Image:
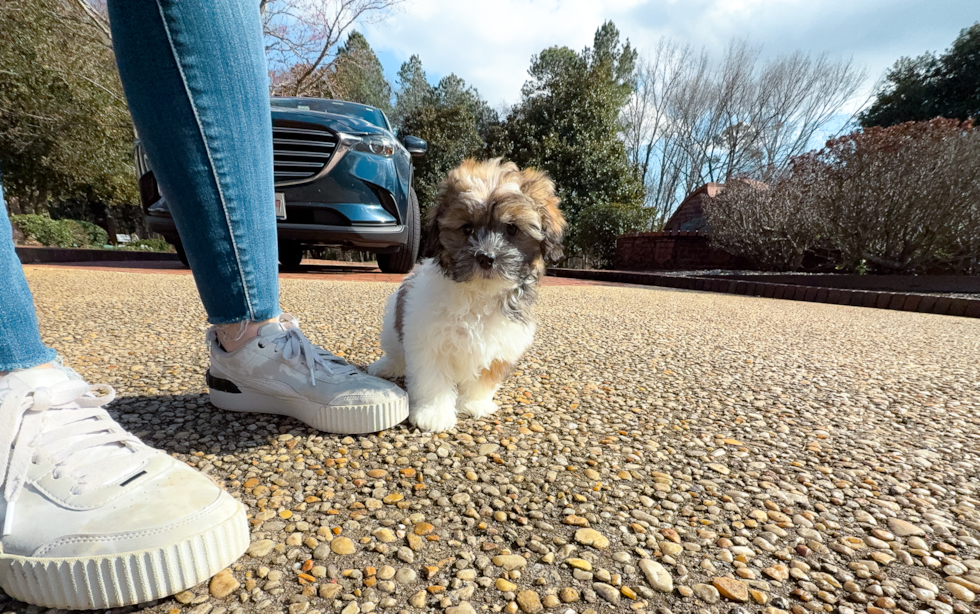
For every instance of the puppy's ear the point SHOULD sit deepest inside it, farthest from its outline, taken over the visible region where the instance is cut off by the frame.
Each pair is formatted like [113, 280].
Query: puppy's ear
[539, 187]
[451, 186]
[430, 233]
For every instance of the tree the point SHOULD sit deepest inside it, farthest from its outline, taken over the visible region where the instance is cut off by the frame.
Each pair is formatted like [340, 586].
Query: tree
[65, 132]
[358, 75]
[929, 86]
[693, 120]
[303, 39]
[448, 117]
[413, 87]
[567, 124]
[600, 225]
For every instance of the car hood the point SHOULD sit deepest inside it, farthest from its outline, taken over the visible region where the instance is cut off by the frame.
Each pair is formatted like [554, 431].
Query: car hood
[338, 123]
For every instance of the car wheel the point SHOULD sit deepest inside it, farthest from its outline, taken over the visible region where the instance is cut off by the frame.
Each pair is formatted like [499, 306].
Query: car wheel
[290, 254]
[181, 253]
[403, 260]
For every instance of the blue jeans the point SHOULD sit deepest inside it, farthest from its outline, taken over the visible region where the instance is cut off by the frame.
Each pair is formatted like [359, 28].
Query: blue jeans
[195, 78]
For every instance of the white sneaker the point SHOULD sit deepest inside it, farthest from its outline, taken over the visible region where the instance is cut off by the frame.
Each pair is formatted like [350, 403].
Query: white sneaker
[282, 372]
[92, 517]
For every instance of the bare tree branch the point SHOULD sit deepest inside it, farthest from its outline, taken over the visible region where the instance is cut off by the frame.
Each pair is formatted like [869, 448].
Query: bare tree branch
[302, 37]
[694, 121]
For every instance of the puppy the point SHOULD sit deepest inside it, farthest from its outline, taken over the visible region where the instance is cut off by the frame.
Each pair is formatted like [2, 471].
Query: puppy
[457, 326]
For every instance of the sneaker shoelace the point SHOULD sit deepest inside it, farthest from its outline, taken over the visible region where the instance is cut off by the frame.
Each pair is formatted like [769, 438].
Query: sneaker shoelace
[294, 345]
[67, 436]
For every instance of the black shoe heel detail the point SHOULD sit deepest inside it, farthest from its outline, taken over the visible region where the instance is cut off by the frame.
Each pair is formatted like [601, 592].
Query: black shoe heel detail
[221, 385]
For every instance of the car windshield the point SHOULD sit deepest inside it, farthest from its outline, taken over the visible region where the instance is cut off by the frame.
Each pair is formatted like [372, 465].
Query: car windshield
[350, 109]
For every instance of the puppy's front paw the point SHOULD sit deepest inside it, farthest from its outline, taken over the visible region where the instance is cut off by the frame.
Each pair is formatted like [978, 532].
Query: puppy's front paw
[386, 367]
[434, 418]
[478, 409]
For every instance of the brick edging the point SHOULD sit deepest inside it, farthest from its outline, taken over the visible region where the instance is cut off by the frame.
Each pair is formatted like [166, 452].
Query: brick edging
[44, 255]
[899, 301]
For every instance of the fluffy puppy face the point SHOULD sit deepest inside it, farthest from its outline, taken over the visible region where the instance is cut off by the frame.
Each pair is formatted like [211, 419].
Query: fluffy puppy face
[493, 221]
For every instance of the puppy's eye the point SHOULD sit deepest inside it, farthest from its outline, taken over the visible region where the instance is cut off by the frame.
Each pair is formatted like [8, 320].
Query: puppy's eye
[467, 229]
[512, 229]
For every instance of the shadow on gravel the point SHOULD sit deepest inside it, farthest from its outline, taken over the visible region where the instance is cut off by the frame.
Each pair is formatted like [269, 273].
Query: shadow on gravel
[188, 423]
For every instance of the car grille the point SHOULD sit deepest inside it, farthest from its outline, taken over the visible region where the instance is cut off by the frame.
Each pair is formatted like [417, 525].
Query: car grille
[301, 150]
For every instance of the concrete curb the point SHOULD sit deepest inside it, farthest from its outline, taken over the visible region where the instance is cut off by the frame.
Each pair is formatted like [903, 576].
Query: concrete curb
[44, 255]
[899, 301]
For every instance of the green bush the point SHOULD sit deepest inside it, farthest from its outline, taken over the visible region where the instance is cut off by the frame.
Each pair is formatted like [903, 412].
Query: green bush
[148, 245]
[59, 233]
[44, 230]
[594, 232]
[95, 236]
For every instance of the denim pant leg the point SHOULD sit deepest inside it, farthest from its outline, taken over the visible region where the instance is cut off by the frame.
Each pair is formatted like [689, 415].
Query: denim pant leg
[20, 340]
[195, 77]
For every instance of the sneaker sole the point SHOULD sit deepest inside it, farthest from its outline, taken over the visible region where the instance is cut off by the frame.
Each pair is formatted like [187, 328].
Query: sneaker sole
[129, 578]
[346, 420]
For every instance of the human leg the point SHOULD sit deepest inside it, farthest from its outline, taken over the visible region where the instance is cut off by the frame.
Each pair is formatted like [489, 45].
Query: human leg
[210, 147]
[20, 341]
[195, 78]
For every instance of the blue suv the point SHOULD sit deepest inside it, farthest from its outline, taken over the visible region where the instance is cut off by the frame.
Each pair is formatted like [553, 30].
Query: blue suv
[342, 180]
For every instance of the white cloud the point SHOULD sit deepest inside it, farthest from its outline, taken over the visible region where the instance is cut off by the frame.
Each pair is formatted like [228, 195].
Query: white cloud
[490, 44]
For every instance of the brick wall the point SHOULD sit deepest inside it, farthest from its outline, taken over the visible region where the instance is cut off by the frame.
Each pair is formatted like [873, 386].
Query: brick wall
[672, 251]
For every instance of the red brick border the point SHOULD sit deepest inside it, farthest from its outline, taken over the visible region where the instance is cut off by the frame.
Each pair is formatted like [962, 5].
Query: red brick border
[898, 301]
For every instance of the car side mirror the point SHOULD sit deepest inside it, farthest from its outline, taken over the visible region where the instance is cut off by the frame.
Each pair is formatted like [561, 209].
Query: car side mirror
[415, 145]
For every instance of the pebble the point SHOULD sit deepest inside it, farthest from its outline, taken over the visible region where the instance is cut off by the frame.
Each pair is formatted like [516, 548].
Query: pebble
[529, 602]
[505, 586]
[731, 589]
[418, 599]
[607, 592]
[260, 548]
[463, 608]
[903, 528]
[591, 537]
[706, 593]
[405, 575]
[223, 584]
[658, 577]
[342, 545]
[510, 561]
[384, 535]
[960, 592]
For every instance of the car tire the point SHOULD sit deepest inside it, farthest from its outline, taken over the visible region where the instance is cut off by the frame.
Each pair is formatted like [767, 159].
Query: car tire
[181, 254]
[290, 255]
[403, 260]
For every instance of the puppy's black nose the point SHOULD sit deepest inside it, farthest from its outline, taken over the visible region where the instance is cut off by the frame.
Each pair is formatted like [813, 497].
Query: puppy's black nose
[485, 261]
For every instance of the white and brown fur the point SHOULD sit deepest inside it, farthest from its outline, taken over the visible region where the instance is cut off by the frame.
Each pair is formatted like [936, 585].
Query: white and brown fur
[457, 326]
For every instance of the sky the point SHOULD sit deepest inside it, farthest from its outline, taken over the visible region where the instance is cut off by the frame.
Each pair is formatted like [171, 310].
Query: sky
[490, 43]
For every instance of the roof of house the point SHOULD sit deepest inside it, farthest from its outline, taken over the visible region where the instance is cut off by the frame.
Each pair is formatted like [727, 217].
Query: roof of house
[689, 215]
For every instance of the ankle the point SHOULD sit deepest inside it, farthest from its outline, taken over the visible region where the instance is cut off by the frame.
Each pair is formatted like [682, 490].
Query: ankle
[47, 365]
[233, 336]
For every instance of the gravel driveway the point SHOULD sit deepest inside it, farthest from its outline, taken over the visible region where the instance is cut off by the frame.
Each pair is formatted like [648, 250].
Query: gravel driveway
[657, 450]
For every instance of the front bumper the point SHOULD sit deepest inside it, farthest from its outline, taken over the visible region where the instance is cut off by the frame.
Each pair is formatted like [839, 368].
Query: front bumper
[374, 237]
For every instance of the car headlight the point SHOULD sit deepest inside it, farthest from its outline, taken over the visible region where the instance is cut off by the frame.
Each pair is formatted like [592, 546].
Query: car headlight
[377, 144]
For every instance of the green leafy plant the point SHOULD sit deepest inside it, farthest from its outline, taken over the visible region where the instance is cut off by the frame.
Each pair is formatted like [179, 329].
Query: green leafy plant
[148, 245]
[47, 232]
[598, 226]
[59, 233]
[92, 235]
